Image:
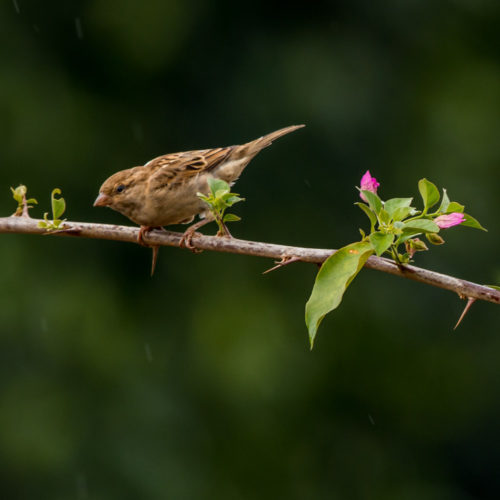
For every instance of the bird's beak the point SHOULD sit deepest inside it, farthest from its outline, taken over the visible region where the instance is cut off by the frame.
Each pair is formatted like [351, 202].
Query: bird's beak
[102, 200]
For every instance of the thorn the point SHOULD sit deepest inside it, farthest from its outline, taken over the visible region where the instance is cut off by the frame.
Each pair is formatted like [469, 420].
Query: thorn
[283, 262]
[155, 249]
[470, 301]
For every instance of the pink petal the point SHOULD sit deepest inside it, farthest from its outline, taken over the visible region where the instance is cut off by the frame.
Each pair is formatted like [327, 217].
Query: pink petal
[368, 183]
[449, 220]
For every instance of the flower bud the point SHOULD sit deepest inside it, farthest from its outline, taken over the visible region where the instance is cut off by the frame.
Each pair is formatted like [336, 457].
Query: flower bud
[415, 245]
[449, 220]
[368, 183]
[434, 238]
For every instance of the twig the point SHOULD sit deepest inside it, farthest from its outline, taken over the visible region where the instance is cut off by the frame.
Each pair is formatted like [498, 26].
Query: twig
[287, 259]
[255, 248]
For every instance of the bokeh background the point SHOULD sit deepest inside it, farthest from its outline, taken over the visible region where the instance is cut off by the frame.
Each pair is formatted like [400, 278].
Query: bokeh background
[198, 383]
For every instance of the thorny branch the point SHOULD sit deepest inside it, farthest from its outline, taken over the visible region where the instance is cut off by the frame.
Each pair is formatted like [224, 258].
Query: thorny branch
[282, 253]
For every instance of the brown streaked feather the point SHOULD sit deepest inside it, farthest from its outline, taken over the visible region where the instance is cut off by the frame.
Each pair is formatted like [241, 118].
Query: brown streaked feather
[177, 168]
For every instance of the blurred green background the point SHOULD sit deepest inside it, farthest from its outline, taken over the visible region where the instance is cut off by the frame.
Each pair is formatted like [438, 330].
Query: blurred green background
[198, 383]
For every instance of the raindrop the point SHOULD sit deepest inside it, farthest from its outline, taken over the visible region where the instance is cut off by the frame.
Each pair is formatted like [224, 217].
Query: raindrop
[307, 183]
[149, 356]
[16, 6]
[36, 28]
[370, 418]
[78, 27]
[43, 324]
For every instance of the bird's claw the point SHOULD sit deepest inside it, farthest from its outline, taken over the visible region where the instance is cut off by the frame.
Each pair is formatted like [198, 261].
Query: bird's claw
[187, 241]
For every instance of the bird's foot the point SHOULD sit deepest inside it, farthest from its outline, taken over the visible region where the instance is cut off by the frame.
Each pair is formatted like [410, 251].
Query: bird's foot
[187, 237]
[187, 240]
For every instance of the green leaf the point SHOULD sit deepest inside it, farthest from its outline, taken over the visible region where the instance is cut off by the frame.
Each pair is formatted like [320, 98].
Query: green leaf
[381, 242]
[332, 280]
[429, 193]
[203, 197]
[401, 213]
[58, 204]
[455, 207]
[216, 185]
[368, 212]
[374, 201]
[384, 217]
[32, 200]
[396, 204]
[408, 234]
[19, 192]
[471, 222]
[445, 202]
[423, 225]
[233, 199]
[231, 218]
[495, 287]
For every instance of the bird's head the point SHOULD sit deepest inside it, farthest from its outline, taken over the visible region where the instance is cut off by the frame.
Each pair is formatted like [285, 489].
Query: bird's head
[123, 191]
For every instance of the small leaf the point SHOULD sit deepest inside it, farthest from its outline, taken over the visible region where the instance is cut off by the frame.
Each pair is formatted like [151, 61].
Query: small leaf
[471, 222]
[495, 287]
[335, 275]
[423, 225]
[401, 213]
[233, 199]
[384, 217]
[396, 204]
[231, 218]
[429, 193]
[381, 242]
[445, 202]
[368, 212]
[455, 207]
[58, 204]
[374, 201]
[32, 200]
[203, 197]
[217, 185]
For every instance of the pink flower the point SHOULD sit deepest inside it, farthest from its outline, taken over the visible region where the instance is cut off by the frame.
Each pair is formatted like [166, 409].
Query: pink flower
[449, 220]
[368, 183]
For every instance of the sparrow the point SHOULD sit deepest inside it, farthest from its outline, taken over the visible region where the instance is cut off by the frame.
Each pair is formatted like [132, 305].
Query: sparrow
[164, 190]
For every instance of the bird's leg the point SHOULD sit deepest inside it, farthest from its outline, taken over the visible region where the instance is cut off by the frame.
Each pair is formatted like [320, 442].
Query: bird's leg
[140, 239]
[187, 237]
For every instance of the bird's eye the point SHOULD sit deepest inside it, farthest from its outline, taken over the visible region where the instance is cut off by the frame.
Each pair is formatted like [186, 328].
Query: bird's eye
[120, 188]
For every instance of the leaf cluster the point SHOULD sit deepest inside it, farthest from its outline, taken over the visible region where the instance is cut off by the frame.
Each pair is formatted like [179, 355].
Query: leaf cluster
[394, 223]
[23, 204]
[58, 208]
[219, 199]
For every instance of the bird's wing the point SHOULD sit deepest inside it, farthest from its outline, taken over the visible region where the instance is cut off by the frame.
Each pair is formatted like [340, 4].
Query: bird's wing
[177, 168]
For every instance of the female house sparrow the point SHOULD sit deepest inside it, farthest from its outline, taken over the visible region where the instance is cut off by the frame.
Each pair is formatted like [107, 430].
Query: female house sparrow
[163, 191]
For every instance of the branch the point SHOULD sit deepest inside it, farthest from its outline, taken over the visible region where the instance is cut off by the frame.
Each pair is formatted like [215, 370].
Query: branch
[282, 253]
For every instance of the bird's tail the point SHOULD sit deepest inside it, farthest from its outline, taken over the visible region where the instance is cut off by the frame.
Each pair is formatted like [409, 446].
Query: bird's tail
[239, 157]
[253, 147]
